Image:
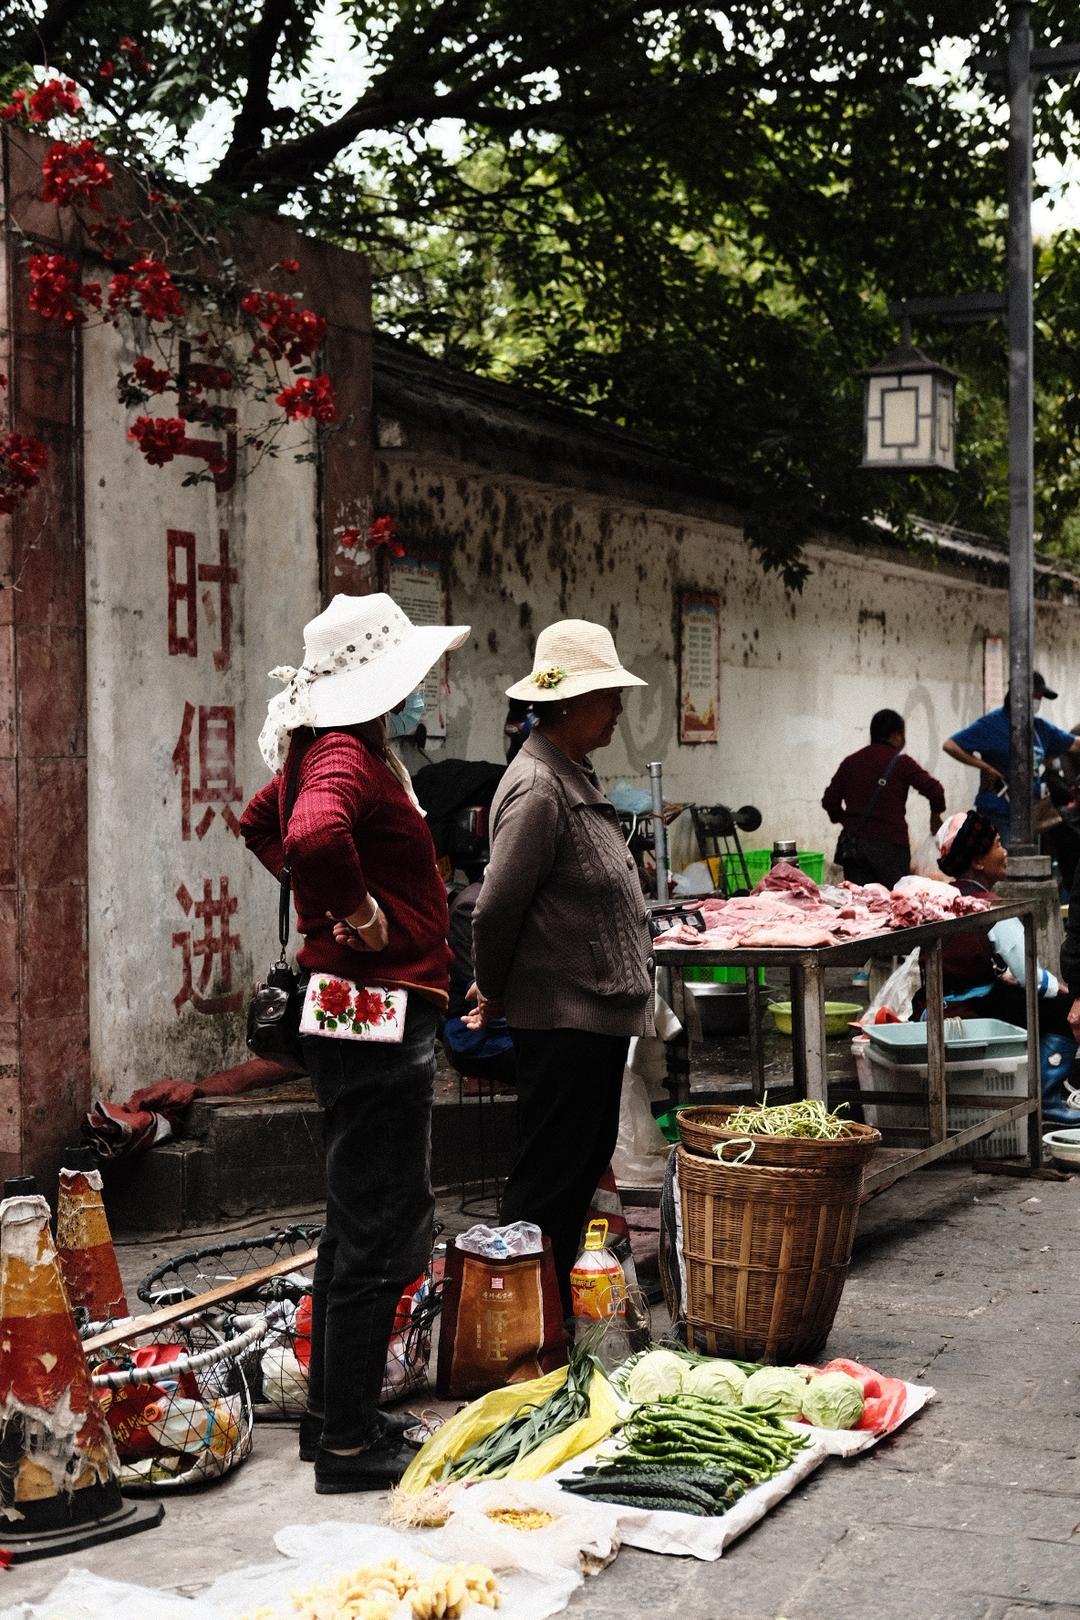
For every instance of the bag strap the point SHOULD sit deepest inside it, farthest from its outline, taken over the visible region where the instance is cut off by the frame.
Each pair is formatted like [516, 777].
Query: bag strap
[876, 795]
[292, 789]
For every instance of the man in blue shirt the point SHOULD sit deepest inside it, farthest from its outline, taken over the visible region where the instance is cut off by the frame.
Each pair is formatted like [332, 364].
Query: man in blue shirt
[985, 746]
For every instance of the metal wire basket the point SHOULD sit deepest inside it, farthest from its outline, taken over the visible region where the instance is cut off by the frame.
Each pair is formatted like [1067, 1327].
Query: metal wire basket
[278, 1374]
[179, 1400]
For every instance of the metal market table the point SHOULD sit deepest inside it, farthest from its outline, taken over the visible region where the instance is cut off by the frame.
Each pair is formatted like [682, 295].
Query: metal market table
[806, 968]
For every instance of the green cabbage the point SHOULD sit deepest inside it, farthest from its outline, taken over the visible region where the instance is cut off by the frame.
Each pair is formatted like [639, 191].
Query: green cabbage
[775, 1389]
[660, 1372]
[716, 1381]
[833, 1400]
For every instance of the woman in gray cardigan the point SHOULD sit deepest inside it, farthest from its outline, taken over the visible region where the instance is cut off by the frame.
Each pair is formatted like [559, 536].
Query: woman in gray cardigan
[562, 949]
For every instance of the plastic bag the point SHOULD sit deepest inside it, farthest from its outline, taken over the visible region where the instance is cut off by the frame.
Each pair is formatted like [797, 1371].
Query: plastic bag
[924, 860]
[641, 1151]
[582, 1535]
[477, 1420]
[896, 995]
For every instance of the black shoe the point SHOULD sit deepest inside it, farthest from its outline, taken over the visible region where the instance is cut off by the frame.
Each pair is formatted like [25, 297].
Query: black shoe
[393, 1425]
[376, 1469]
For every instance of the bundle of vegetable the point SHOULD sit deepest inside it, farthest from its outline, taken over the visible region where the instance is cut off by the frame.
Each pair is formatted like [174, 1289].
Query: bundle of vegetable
[493, 1456]
[704, 1491]
[809, 1118]
[687, 1431]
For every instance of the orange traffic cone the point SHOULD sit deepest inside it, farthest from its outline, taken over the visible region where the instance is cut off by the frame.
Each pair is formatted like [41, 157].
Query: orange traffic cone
[58, 1468]
[83, 1240]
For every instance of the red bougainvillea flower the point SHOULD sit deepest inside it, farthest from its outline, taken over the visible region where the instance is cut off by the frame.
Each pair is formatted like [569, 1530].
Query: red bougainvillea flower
[106, 70]
[112, 234]
[199, 376]
[135, 54]
[160, 438]
[335, 997]
[148, 289]
[21, 461]
[15, 108]
[383, 532]
[290, 333]
[74, 171]
[291, 267]
[311, 396]
[56, 293]
[53, 97]
[350, 538]
[149, 376]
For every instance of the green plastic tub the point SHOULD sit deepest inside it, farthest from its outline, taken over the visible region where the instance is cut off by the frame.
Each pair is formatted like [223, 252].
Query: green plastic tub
[719, 975]
[669, 1124]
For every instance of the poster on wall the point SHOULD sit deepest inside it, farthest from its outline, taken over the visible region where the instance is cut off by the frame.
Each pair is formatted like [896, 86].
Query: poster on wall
[699, 667]
[418, 586]
[993, 672]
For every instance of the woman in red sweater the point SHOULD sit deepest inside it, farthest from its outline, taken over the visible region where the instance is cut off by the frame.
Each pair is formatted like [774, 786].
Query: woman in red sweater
[341, 814]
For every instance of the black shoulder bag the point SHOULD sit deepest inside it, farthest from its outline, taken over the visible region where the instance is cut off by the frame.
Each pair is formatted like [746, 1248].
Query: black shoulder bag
[273, 1018]
[847, 845]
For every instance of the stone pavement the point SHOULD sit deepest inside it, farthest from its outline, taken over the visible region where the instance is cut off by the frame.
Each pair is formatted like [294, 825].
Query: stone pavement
[972, 1513]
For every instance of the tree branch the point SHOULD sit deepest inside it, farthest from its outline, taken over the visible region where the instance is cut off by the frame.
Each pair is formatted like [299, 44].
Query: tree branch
[256, 110]
[282, 167]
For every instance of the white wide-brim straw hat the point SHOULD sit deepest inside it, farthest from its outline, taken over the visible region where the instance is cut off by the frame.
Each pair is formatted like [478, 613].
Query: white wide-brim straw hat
[572, 657]
[362, 657]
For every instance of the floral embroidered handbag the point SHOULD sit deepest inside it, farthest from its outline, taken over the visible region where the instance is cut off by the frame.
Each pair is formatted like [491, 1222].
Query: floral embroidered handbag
[353, 1012]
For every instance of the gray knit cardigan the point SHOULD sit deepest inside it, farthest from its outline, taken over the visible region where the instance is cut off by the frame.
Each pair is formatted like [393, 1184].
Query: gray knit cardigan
[559, 932]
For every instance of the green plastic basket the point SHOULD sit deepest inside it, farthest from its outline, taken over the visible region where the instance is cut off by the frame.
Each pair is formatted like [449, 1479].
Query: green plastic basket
[758, 861]
[719, 975]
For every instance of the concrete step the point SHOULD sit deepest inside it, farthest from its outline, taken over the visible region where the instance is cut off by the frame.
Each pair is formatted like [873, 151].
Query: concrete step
[261, 1152]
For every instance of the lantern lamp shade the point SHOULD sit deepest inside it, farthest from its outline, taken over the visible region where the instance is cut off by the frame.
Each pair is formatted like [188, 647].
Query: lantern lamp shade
[910, 413]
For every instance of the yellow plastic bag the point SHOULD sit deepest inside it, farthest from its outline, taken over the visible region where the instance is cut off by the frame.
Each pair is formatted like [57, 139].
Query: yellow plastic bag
[480, 1418]
[586, 1432]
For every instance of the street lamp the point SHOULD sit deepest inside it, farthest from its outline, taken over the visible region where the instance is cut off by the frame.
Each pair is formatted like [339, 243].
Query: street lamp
[1021, 69]
[910, 412]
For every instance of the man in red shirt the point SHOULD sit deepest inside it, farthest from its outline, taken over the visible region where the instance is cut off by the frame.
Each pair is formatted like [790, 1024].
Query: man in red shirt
[867, 797]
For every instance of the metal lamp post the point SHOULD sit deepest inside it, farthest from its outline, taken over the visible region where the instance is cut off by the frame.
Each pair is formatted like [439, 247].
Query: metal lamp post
[1021, 69]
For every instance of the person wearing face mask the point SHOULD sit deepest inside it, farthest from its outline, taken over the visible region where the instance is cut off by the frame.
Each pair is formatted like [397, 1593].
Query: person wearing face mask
[984, 745]
[560, 941]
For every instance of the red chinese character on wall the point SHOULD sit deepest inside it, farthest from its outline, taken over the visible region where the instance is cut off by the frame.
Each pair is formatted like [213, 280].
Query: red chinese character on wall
[196, 382]
[215, 755]
[215, 944]
[185, 574]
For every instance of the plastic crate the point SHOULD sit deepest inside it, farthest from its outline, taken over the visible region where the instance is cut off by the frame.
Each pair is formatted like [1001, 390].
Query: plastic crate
[981, 1038]
[1001, 1076]
[719, 975]
[758, 861]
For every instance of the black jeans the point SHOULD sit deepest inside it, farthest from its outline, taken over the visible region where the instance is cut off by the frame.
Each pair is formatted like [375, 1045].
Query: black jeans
[379, 1213]
[569, 1084]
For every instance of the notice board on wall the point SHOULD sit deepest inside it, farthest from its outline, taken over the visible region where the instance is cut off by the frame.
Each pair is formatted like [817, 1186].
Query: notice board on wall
[418, 586]
[699, 667]
[994, 682]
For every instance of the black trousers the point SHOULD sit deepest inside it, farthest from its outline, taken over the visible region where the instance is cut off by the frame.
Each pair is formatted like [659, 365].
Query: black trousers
[569, 1084]
[379, 1213]
[878, 862]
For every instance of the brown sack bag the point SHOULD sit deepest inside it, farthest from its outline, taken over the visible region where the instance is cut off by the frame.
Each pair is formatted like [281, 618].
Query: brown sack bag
[502, 1322]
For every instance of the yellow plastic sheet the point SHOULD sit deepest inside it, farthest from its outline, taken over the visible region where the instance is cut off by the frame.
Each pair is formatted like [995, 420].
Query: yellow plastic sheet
[480, 1418]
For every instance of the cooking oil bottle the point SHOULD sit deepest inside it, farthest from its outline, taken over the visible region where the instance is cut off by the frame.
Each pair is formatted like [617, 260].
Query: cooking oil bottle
[598, 1294]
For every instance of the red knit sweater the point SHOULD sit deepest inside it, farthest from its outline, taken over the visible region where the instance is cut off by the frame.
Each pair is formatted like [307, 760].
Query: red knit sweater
[353, 824]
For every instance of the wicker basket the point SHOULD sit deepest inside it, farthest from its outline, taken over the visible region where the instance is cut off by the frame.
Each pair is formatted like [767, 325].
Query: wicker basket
[767, 1251]
[704, 1129]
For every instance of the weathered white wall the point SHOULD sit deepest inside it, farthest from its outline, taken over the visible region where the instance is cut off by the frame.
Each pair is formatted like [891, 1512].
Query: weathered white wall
[143, 849]
[801, 674]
